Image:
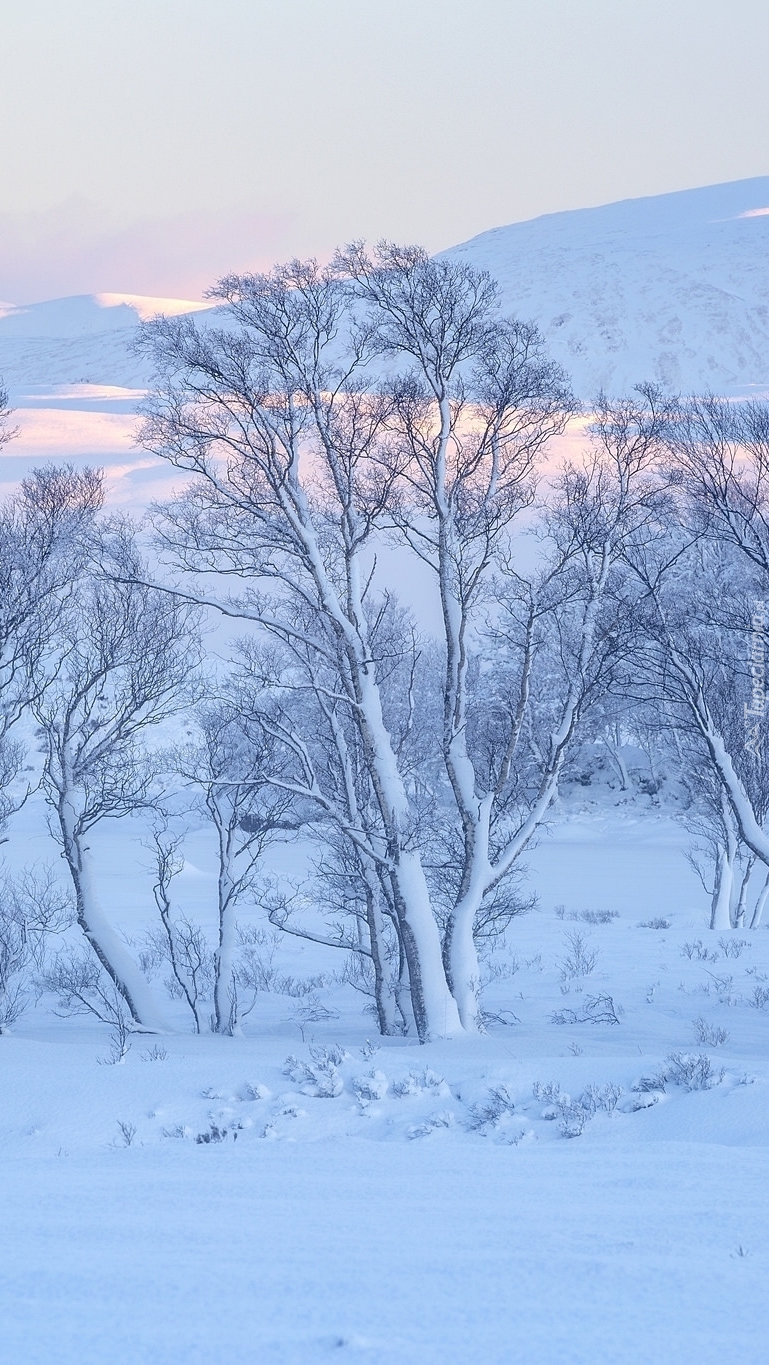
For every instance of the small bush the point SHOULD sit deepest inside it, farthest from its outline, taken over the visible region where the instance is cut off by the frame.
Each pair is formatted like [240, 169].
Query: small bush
[698, 952]
[214, 1134]
[416, 1084]
[587, 916]
[579, 960]
[646, 1085]
[605, 1097]
[655, 924]
[370, 1088]
[548, 1093]
[733, 947]
[320, 1077]
[157, 1053]
[573, 1118]
[707, 1034]
[692, 1071]
[597, 1009]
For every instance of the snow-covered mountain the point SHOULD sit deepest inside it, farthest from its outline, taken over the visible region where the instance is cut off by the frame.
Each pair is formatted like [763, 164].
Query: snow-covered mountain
[80, 340]
[673, 288]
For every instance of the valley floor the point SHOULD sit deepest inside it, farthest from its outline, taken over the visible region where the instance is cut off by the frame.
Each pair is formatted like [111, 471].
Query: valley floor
[566, 1188]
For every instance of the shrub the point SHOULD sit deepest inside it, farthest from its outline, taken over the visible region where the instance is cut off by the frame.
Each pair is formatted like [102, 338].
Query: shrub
[579, 960]
[706, 1033]
[692, 1071]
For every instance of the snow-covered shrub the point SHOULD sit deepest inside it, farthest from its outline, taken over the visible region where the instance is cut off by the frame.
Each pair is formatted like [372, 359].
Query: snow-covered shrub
[572, 1119]
[692, 1071]
[370, 1088]
[416, 1083]
[708, 1034]
[587, 916]
[760, 998]
[658, 923]
[598, 916]
[548, 1092]
[698, 952]
[596, 1009]
[733, 947]
[216, 1134]
[157, 1053]
[496, 969]
[443, 1119]
[597, 1097]
[499, 1104]
[319, 1077]
[649, 1084]
[723, 987]
[579, 959]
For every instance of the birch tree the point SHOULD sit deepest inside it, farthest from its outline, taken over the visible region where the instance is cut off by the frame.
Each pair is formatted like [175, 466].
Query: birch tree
[720, 454]
[124, 654]
[231, 764]
[697, 621]
[44, 530]
[280, 434]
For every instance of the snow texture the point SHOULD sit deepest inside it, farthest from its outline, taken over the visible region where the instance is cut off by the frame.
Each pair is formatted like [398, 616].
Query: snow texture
[672, 289]
[583, 1190]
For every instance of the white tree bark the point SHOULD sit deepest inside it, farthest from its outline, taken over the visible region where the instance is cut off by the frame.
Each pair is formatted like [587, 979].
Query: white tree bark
[106, 943]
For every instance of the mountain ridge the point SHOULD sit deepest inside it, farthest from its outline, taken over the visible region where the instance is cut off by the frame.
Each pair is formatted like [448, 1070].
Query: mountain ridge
[670, 288]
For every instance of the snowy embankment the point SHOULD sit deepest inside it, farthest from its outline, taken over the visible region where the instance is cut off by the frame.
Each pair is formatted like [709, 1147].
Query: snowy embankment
[565, 1188]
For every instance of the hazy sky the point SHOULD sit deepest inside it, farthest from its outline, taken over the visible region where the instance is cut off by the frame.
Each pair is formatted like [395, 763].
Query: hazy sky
[149, 145]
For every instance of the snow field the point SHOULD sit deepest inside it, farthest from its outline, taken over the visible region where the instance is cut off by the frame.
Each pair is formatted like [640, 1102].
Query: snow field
[551, 1191]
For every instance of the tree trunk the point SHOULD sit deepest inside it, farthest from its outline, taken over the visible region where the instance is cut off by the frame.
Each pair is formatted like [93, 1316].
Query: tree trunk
[763, 897]
[720, 910]
[109, 948]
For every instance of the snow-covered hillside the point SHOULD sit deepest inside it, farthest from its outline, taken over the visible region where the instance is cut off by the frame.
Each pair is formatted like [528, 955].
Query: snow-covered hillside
[673, 288]
[81, 340]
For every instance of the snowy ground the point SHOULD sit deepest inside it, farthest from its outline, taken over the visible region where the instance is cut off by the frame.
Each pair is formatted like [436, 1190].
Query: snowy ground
[554, 1191]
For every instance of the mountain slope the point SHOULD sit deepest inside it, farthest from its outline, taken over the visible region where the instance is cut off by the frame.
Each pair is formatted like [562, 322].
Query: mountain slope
[673, 288]
[80, 340]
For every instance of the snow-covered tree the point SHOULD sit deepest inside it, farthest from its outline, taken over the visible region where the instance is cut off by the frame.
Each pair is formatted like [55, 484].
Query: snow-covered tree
[44, 530]
[230, 763]
[272, 416]
[696, 617]
[122, 657]
[720, 459]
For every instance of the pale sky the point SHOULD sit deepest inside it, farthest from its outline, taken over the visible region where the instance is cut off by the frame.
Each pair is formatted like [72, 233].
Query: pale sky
[151, 145]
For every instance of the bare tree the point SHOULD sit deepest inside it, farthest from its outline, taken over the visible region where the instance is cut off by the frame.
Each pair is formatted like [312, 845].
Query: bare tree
[697, 624]
[235, 767]
[7, 432]
[323, 769]
[33, 907]
[124, 654]
[720, 452]
[279, 432]
[44, 530]
[720, 457]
